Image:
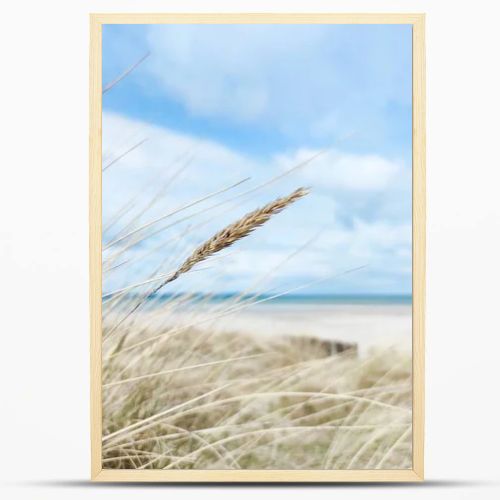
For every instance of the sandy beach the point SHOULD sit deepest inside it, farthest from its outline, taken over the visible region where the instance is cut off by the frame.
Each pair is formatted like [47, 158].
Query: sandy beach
[368, 325]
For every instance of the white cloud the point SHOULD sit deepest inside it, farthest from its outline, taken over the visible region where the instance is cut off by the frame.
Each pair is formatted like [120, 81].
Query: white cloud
[212, 166]
[355, 207]
[345, 171]
[304, 80]
[226, 70]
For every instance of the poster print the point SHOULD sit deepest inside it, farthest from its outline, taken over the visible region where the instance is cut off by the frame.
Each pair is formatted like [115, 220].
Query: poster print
[257, 306]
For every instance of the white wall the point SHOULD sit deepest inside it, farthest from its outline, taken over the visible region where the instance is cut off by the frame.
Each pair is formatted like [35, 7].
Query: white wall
[43, 245]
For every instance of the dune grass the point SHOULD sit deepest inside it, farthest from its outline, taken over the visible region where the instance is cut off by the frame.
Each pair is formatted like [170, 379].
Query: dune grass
[179, 392]
[207, 399]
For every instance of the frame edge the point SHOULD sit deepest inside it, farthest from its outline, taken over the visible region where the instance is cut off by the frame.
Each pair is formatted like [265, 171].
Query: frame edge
[95, 205]
[251, 476]
[419, 244]
[257, 17]
[99, 474]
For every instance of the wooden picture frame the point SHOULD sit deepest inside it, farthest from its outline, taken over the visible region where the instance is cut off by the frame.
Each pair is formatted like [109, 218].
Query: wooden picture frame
[418, 265]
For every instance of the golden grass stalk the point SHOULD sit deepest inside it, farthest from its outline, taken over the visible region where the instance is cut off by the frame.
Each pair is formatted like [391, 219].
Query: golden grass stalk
[236, 231]
[224, 239]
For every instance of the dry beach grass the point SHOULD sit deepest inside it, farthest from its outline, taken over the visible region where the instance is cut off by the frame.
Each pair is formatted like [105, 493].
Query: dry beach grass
[218, 401]
[184, 394]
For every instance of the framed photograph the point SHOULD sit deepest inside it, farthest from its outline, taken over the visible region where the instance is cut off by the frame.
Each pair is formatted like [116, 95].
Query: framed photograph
[257, 247]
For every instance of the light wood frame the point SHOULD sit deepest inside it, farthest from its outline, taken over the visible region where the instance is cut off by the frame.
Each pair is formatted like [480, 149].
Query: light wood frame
[417, 472]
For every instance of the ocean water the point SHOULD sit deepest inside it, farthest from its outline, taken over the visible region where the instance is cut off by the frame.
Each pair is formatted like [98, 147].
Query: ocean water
[308, 299]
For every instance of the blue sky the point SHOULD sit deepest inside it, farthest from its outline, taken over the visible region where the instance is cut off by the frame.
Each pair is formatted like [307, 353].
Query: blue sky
[253, 101]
